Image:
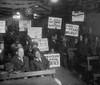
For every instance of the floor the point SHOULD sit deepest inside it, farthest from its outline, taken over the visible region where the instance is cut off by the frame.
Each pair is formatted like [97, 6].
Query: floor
[67, 77]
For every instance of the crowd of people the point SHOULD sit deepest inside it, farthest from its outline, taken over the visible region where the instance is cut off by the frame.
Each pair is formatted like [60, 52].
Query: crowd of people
[18, 52]
[19, 55]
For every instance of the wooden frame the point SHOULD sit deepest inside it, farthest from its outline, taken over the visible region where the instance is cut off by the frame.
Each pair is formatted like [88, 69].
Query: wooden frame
[89, 67]
[90, 59]
[26, 74]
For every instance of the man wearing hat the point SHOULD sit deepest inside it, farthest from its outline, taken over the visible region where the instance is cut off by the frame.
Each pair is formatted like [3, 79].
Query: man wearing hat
[19, 62]
[38, 62]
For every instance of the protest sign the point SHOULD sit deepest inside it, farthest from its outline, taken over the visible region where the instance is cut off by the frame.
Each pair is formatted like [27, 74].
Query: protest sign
[24, 25]
[2, 26]
[78, 16]
[42, 44]
[54, 59]
[72, 30]
[54, 23]
[35, 32]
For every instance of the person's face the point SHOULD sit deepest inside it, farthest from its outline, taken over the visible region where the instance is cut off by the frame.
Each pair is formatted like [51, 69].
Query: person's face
[81, 38]
[52, 51]
[20, 52]
[37, 54]
[86, 40]
[19, 45]
[2, 46]
[96, 39]
[76, 40]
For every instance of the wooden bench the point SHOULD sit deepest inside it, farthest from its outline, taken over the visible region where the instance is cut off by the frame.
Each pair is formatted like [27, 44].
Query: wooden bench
[15, 75]
[29, 78]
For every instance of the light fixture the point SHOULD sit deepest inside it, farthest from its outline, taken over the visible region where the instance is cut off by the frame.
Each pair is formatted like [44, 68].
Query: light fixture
[28, 11]
[36, 16]
[54, 1]
[17, 15]
[36, 5]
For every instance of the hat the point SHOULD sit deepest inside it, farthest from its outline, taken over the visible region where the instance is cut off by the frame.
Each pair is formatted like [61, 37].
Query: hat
[17, 42]
[1, 42]
[35, 50]
[34, 43]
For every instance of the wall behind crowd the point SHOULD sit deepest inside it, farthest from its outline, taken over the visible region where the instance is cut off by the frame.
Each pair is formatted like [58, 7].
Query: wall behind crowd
[93, 22]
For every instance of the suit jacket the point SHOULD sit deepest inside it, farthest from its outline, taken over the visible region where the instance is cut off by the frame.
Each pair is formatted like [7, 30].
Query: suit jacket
[18, 65]
[3, 57]
[36, 65]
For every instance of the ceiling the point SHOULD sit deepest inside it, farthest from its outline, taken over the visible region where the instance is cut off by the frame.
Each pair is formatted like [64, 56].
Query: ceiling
[8, 7]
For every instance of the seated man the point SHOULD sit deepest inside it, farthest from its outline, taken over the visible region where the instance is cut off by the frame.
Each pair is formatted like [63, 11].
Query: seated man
[39, 62]
[19, 61]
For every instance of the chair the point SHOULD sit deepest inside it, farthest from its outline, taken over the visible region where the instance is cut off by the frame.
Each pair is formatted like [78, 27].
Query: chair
[94, 67]
[91, 60]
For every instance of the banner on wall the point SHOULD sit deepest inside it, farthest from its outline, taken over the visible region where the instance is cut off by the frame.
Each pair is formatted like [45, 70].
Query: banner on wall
[42, 44]
[72, 30]
[54, 23]
[35, 32]
[2, 26]
[78, 16]
[24, 25]
[54, 59]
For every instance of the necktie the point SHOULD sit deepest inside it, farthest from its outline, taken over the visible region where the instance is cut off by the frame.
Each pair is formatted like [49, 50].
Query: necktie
[21, 59]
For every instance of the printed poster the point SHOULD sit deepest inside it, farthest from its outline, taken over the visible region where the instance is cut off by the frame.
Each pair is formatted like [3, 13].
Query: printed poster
[78, 16]
[54, 59]
[72, 30]
[24, 25]
[42, 44]
[35, 32]
[54, 23]
[2, 26]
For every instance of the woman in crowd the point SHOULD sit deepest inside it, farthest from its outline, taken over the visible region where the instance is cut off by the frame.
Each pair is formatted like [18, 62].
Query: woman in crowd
[39, 62]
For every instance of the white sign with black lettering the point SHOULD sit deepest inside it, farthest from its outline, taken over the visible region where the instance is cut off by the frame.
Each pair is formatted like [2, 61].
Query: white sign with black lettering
[78, 16]
[2, 26]
[54, 23]
[72, 30]
[35, 32]
[24, 25]
[42, 43]
[54, 59]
